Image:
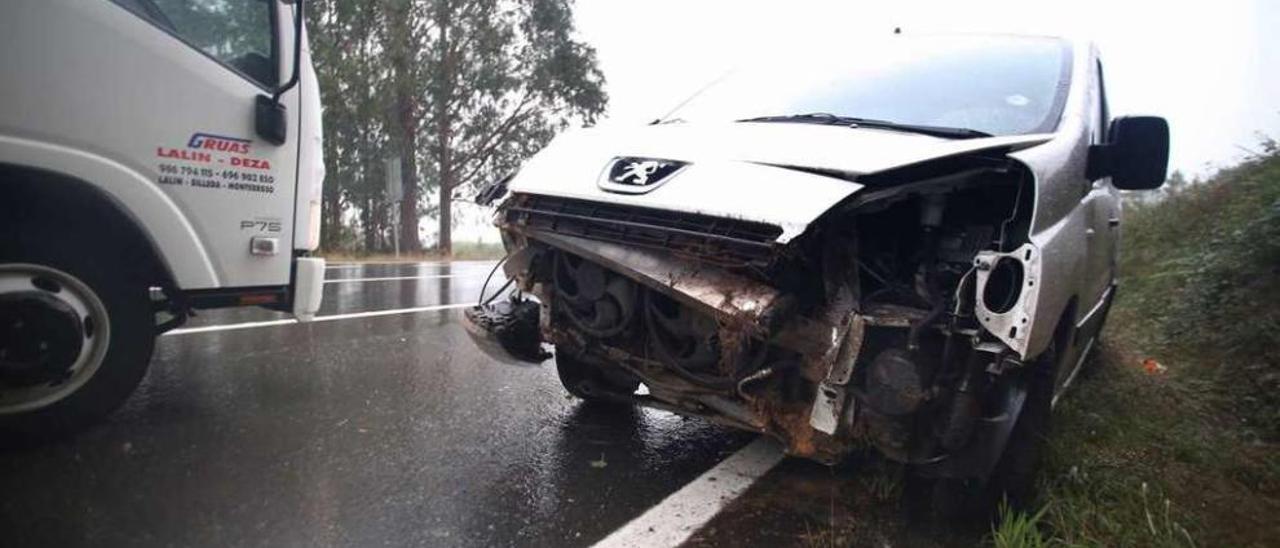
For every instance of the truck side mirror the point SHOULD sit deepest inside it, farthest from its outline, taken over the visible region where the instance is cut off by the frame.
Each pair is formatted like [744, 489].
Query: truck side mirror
[269, 119]
[1136, 155]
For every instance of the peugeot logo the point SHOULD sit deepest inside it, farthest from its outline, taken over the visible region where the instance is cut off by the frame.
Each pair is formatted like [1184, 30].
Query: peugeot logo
[636, 175]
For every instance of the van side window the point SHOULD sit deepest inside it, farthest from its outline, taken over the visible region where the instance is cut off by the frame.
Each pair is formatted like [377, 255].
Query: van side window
[236, 33]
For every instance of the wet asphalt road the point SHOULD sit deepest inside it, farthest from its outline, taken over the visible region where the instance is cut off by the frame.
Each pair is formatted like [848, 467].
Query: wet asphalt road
[395, 431]
[388, 430]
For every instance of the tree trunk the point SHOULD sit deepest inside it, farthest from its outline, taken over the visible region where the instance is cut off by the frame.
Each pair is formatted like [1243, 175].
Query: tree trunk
[446, 220]
[444, 129]
[409, 185]
[370, 227]
[403, 119]
[330, 216]
[446, 198]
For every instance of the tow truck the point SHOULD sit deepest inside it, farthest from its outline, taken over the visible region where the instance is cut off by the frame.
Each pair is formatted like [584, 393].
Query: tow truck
[157, 157]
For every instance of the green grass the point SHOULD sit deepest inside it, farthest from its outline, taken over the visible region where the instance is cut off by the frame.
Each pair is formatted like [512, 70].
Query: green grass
[1188, 457]
[1018, 530]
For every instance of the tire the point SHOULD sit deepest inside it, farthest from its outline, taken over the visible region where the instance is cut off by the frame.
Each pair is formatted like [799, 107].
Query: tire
[1013, 478]
[116, 322]
[1015, 474]
[592, 384]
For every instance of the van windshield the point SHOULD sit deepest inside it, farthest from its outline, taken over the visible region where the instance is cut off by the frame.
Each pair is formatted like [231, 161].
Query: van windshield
[992, 85]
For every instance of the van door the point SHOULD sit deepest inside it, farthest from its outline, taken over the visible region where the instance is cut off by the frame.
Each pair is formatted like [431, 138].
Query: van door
[1102, 204]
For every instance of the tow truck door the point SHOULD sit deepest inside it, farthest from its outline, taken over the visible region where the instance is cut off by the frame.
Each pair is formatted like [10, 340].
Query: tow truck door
[183, 77]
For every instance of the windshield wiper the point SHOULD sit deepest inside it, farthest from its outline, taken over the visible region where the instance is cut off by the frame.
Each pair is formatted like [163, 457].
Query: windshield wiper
[853, 121]
[810, 118]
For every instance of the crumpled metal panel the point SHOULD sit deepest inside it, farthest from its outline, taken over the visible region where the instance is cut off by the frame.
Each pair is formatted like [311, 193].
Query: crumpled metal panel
[730, 298]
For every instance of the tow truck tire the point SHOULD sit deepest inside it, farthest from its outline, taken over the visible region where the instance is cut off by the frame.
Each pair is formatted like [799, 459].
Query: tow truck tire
[79, 286]
[590, 383]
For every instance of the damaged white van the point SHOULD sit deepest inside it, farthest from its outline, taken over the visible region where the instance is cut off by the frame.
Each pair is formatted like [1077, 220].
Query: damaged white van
[910, 246]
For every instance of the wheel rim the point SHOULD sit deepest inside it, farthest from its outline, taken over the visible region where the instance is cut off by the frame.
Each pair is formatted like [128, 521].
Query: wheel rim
[66, 293]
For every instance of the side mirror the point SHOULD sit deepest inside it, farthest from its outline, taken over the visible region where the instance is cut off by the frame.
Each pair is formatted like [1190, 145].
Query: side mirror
[1136, 155]
[269, 119]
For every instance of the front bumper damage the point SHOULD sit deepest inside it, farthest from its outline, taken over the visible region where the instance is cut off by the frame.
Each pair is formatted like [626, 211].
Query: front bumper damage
[872, 328]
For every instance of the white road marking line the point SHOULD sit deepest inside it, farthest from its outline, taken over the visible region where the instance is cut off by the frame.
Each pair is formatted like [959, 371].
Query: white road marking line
[339, 266]
[392, 278]
[682, 513]
[286, 321]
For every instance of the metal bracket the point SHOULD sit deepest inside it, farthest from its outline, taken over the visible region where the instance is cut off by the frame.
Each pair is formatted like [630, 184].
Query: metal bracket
[1010, 326]
[825, 415]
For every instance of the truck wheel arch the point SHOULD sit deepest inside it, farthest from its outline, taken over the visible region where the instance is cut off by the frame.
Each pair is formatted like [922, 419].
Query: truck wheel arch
[169, 235]
[52, 196]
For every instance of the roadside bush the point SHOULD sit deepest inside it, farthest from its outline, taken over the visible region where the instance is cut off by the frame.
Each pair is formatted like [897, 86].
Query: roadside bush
[1200, 283]
[1184, 454]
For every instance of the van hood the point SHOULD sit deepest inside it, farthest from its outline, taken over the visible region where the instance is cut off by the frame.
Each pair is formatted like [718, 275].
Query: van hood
[753, 171]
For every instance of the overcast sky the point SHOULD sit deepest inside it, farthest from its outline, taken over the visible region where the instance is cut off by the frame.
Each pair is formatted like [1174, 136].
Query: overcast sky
[1199, 64]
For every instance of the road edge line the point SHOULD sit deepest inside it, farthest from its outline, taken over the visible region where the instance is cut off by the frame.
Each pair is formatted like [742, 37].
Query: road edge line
[672, 521]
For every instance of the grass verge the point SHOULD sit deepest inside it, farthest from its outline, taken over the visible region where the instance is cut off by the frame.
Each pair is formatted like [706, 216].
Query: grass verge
[1185, 453]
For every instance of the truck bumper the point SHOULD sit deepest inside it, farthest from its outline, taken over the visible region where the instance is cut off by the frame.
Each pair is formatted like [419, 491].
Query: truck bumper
[308, 287]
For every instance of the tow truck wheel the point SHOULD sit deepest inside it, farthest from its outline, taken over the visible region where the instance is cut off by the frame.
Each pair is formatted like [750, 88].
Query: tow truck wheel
[590, 383]
[76, 335]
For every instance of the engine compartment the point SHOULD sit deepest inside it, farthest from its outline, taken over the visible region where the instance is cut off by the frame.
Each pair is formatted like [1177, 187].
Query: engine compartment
[871, 327]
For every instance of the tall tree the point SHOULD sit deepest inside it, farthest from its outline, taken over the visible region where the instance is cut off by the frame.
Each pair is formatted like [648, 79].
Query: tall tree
[350, 68]
[460, 90]
[402, 30]
[505, 77]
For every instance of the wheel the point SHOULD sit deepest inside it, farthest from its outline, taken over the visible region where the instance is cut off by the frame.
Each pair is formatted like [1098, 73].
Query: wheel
[76, 334]
[591, 383]
[1014, 475]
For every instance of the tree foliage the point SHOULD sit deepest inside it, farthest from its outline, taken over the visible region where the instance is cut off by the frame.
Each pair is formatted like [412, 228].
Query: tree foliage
[460, 90]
